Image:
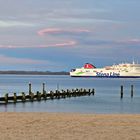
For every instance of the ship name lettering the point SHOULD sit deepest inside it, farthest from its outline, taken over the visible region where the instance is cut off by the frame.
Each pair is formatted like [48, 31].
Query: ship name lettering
[106, 74]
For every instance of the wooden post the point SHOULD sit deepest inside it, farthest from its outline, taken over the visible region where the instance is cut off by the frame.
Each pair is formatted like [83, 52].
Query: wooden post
[93, 91]
[58, 94]
[38, 95]
[32, 97]
[69, 93]
[23, 97]
[15, 98]
[89, 92]
[84, 92]
[132, 91]
[81, 91]
[121, 91]
[30, 88]
[64, 94]
[43, 88]
[6, 98]
[51, 95]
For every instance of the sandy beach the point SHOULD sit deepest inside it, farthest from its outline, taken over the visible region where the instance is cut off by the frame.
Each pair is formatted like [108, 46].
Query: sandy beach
[68, 126]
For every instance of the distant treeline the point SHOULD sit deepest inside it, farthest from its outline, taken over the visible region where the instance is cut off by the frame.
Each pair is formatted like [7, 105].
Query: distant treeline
[35, 72]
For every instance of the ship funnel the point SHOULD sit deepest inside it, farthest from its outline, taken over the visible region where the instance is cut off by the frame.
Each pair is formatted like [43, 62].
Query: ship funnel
[89, 66]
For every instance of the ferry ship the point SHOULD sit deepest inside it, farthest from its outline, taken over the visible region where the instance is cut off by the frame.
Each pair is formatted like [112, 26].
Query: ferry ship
[122, 70]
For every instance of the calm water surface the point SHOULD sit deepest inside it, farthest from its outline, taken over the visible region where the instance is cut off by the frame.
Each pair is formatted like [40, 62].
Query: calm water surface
[106, 99]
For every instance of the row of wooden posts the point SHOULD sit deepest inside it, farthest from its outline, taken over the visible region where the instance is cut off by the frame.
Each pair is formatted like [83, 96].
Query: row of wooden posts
[38, 96]
[51, 95]
[122, 91]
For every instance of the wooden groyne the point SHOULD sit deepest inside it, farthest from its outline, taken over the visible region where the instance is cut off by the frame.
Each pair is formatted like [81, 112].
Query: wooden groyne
[122, 91]
[38, 96]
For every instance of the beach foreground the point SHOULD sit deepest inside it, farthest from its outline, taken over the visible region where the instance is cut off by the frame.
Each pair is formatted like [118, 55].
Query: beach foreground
[68, 126]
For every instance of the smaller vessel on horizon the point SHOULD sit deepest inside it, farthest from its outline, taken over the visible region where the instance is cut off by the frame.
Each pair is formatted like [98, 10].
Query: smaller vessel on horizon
[123, 70]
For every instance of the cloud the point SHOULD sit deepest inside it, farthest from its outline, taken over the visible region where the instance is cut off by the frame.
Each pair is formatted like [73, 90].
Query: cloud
[29, 64]
[66, 32]
[114, 43]
[16, 46]
[10, 23]
[6, 60]
[49, 31]
[63, 44]
[68, 43]
[87, 41]
[133, 41]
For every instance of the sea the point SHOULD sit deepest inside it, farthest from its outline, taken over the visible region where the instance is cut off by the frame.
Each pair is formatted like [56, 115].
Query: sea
[105, 101]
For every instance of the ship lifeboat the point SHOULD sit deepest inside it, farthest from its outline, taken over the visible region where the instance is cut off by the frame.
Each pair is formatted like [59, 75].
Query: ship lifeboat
[108, 68]
[89, 66]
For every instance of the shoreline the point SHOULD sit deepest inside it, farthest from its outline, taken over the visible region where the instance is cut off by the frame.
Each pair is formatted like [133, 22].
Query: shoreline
[10, 72]
[69, 126]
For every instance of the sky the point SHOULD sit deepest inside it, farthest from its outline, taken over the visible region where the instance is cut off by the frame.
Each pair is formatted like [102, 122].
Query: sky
[58, 35]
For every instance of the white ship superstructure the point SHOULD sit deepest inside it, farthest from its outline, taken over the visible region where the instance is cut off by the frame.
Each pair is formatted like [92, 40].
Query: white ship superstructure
[123, 70]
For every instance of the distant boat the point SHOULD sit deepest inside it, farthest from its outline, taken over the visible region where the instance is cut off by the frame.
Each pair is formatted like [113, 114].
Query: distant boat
[123, 70]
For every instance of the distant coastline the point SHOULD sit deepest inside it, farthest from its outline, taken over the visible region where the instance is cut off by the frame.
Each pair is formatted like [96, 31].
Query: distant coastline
[34, 72]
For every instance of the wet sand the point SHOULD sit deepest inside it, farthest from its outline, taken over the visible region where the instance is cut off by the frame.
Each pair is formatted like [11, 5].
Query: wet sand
[68, 126]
